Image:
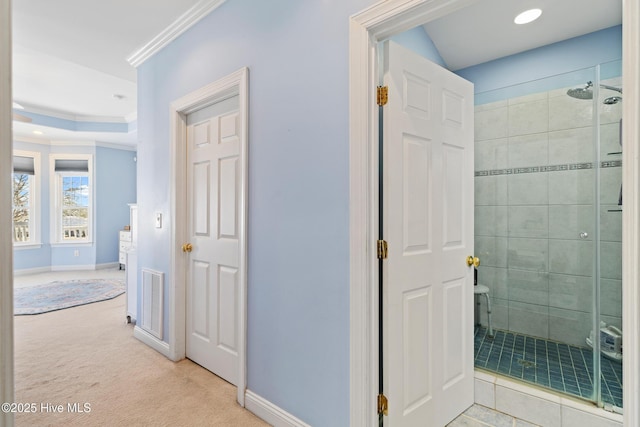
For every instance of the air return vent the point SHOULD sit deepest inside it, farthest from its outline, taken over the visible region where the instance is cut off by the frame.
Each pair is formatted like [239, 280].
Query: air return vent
[152, 302]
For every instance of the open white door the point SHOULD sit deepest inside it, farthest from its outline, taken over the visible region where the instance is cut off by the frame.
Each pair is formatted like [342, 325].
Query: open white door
[214, 171]
[428, 224]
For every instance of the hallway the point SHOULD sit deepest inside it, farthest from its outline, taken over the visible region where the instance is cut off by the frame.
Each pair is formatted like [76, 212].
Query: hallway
[88, 354]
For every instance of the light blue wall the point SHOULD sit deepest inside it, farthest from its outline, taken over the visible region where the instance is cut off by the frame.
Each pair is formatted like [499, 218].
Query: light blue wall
[115, 173]
[567, 56]
[298, 271]
[298, 253]
[419, 41]
[112, 169]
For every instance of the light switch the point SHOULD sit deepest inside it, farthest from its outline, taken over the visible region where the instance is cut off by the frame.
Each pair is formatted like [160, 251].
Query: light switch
[158, 220]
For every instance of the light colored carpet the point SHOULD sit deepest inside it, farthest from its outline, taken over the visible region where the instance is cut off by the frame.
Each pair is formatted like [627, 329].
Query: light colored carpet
[87, 354]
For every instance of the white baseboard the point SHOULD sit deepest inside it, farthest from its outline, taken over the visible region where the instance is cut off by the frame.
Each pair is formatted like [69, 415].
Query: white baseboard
[270, 412]
[47, 269]
[85, 267]
[27, 271]
[107, 265]
[153, 342]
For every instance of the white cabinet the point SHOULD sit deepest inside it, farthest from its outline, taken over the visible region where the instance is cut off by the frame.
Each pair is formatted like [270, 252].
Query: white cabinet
[124, 245]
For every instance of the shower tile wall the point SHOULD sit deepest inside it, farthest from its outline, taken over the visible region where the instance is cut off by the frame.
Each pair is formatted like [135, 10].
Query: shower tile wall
[534, 195]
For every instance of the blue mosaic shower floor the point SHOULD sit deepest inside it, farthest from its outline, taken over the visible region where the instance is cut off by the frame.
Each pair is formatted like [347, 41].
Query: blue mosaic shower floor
[550, 364]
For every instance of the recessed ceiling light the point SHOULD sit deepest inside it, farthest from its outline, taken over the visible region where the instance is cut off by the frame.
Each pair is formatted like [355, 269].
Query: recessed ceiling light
[528, 16]
[38, 132]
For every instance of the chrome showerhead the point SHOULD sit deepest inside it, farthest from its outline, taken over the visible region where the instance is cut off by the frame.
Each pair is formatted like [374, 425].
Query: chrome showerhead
[582, 92]
[586, 92]
[612, 100]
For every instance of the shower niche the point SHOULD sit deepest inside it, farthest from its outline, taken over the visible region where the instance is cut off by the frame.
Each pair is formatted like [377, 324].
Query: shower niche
[548, 228]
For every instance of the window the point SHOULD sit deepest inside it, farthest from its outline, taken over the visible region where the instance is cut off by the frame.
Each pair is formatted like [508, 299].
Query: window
[25, 203]
[73, 199]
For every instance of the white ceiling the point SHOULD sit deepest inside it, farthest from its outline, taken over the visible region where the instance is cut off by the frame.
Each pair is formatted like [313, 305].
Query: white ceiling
[70, 55]
[485, 30]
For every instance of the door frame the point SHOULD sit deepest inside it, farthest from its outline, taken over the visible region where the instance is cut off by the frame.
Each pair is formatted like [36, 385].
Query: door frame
[377, 23]
[6, 246]
[236, 83]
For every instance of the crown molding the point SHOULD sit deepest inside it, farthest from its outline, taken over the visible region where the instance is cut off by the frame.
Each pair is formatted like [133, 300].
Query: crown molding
[131, 117]
[94, 144]
[50, 112]
[173, 31]
[70, 143]
[31, 140]
[113, 145]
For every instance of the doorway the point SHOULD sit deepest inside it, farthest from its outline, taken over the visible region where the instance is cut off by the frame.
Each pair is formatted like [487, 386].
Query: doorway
[213, 250]
[207, 314]
[367, 28]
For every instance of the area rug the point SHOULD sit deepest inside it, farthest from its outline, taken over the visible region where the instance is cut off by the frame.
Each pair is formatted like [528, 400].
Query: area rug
[60, 295]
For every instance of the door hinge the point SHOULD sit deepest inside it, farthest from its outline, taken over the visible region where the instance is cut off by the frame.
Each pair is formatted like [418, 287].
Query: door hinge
[383, 405]
[382, 249]
[382, 95]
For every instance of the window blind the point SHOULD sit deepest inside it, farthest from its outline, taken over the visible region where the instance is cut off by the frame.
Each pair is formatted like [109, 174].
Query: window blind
[72, 165]
[25, 165]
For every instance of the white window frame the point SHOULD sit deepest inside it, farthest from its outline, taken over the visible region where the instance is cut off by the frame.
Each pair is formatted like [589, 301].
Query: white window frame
[56, 199]
[35, 203]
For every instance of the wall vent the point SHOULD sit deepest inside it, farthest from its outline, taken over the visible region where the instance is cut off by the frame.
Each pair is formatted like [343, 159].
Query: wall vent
[152, 302]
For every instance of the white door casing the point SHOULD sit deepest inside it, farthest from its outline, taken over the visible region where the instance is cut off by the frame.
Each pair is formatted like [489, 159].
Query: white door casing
[235, 84]
[6, 217]
[428, 224]
[213, 154]
[379, 22]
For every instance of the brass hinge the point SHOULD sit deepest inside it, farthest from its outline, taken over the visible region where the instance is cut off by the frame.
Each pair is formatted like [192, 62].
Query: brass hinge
[382, 95]
[382, 249]
[383, 405]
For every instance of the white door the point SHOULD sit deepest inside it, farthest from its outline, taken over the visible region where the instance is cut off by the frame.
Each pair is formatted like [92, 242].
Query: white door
[428, 224]
[213, 183]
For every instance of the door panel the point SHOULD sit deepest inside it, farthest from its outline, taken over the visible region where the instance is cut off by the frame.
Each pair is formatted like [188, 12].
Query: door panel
[201, 198]
[200, 291]
[428, 224]
[417, 361]
[228, 191]
[212, 277]
[453, 345]
[227, 303]
[416, 192]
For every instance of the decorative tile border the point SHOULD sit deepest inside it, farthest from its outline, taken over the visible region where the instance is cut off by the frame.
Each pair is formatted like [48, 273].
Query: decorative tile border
[611, 164]
[579, 166]
[550, 168]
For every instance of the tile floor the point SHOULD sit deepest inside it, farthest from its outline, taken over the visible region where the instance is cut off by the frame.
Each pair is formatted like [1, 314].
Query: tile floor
[550, 364]
[480, 416]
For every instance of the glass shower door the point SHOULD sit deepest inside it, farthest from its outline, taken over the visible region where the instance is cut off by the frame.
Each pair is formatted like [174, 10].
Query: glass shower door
[536, 198]
[610, 234]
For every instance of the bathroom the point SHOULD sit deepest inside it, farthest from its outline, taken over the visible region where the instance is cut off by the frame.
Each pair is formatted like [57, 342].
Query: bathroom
[548, 216]
[548, 231]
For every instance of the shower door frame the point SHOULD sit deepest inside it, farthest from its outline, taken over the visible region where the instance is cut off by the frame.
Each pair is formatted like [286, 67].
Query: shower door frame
[383, 20]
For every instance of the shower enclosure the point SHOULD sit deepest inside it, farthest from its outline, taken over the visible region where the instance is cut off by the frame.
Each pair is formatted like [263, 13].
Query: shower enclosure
[548, 215]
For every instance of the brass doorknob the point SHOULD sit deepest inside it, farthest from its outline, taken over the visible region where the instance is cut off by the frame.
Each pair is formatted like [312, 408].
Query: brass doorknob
[187, 247]
[471, 260]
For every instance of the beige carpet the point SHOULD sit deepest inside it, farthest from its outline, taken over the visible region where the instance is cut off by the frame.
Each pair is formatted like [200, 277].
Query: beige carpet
[88, 355]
